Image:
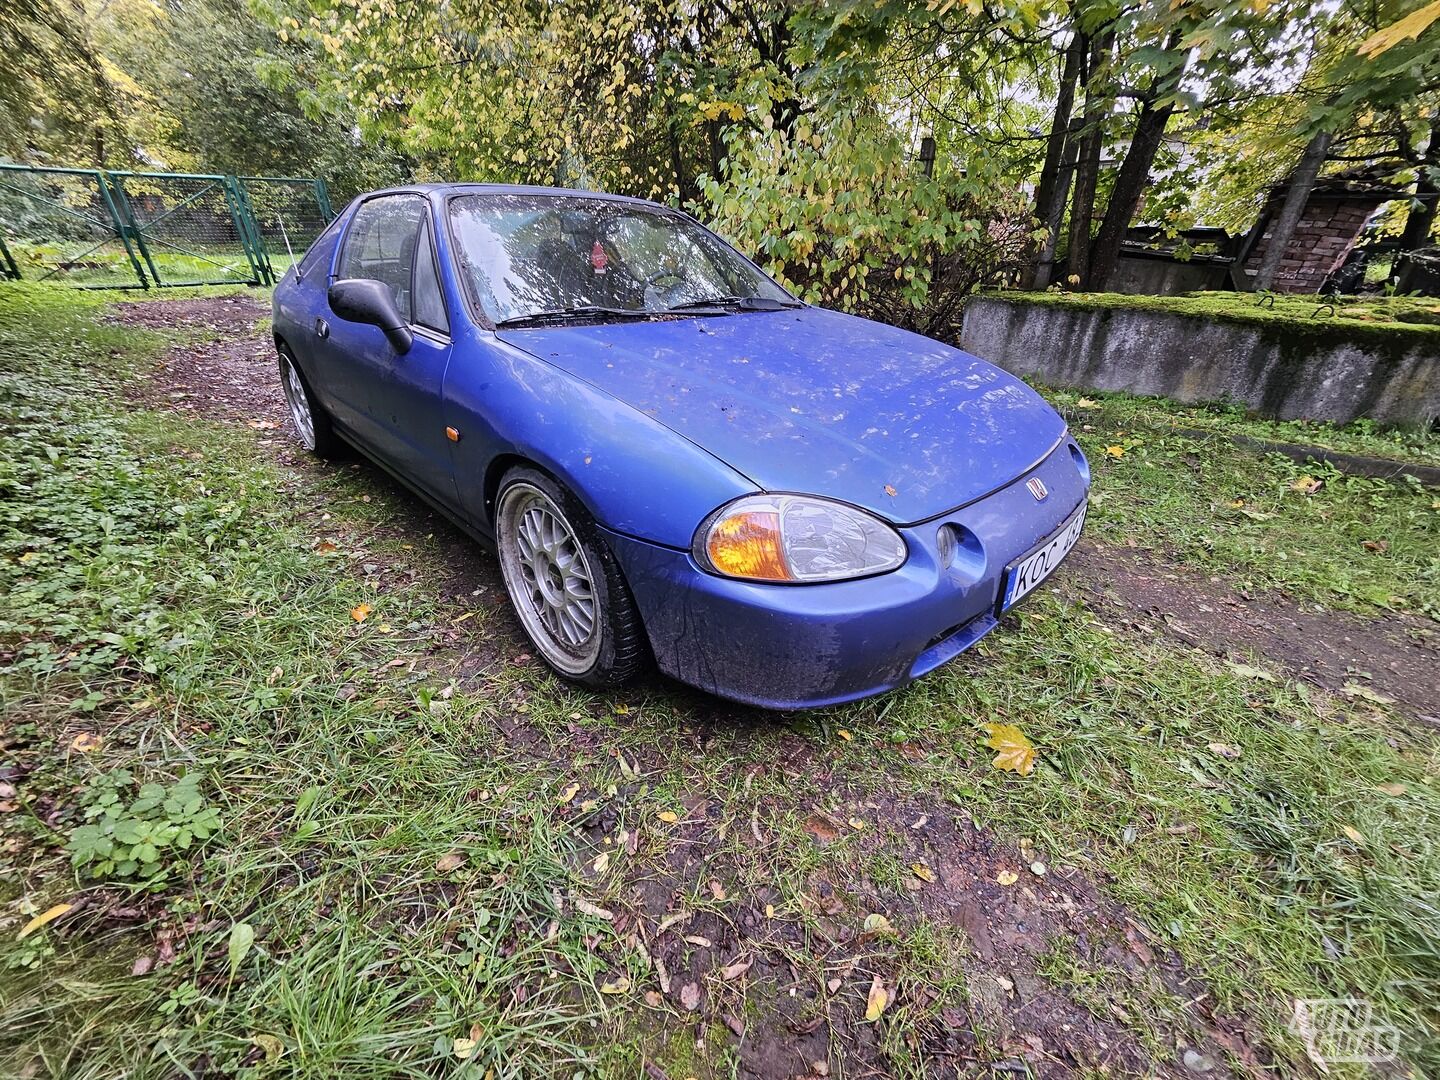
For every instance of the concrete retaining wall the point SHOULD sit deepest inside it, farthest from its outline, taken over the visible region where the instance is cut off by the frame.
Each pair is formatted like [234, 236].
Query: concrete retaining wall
[1328, 373]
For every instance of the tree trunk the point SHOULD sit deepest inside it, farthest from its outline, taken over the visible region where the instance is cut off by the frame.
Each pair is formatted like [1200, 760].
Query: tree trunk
[1134, 175]
[1046, 198]
[1297, 194]
[1421, 221]
[1087, 164]
[1045, 264]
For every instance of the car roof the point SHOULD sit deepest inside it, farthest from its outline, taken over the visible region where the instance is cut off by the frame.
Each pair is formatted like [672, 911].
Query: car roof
[456, 188]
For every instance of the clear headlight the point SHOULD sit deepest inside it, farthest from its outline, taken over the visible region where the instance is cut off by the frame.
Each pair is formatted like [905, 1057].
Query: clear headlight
[796, 538]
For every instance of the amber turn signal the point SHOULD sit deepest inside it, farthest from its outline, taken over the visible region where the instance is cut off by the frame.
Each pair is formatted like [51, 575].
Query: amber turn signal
[747, 545]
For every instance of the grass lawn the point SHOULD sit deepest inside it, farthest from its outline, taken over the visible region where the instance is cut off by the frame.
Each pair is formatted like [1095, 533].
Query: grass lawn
[270, 732]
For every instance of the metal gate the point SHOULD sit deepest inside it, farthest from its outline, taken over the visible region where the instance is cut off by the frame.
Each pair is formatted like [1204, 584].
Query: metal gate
[93, 228]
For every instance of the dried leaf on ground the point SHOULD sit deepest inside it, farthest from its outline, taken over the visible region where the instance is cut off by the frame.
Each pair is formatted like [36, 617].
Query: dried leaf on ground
[690, 997]
[1014, 752]
[1364, 693]
[876, 1000]
[452, 861]
[87, 742]
[923, 872]
[1007, 877]
[1246, 671]
[49, 915]
[731, 972]
[618, 985]
[568, 794]
[273, 1047]
[360, 612]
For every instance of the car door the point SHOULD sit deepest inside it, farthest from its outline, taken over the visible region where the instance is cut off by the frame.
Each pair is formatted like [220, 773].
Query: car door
[394, 403]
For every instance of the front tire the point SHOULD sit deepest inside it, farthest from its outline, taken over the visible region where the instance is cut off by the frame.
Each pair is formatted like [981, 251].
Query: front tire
[311, 421]
[565, 584]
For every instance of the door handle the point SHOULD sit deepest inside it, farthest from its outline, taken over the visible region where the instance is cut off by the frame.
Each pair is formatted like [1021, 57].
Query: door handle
[322, 329]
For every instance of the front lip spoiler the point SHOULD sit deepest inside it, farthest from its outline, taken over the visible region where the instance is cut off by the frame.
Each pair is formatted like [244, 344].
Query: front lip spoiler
[1064, 435]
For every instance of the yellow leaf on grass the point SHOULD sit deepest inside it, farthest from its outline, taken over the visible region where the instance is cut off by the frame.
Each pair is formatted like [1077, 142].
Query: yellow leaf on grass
[618, 985]
[47, 916]
[856, 824]
[86, 742]
[601, 862]
[1014, 752]
[1007, 877]
[464, 1049]
[1115, 451]
[878, 924]
[668, 816]
[360, 612]
[1353, 833]
[844, 734]
[568, 794]
[452, 861]
[1393, 789]
[923, 872]
[877, 999]
[273, 1047]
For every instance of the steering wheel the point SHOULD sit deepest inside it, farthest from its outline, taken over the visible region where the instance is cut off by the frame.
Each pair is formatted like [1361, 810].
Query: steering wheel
[655, 292]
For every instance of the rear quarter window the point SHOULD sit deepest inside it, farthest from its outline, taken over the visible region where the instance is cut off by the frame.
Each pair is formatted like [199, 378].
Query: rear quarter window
[320, 251]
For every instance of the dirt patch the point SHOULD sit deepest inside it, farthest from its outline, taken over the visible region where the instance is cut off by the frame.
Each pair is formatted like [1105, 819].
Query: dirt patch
[1397, 656]
[784, 991]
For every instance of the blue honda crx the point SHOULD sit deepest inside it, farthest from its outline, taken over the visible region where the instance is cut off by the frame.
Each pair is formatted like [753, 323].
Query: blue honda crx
[674, 457]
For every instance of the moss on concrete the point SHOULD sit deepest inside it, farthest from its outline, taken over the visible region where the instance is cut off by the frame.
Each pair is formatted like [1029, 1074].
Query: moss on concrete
[1373, 322]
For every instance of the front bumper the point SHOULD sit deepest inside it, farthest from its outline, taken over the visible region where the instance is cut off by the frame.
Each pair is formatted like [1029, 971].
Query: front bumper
[804, 646]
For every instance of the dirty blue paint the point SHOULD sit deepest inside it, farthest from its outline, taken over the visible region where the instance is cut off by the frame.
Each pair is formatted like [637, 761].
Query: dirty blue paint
[655, 425]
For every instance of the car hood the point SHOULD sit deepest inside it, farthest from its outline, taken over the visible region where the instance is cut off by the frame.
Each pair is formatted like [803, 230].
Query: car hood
[810, 400]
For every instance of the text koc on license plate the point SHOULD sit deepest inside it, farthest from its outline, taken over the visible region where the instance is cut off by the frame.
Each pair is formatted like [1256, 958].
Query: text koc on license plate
[1024, 575]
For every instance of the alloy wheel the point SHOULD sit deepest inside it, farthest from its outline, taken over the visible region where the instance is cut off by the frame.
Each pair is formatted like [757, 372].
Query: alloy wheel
[299, 403]
[549, 578]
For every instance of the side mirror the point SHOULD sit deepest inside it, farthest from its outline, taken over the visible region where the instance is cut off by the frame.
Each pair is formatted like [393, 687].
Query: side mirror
[365, 300]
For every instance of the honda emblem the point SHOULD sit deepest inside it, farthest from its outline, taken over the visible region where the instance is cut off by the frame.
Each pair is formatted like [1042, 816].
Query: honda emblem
[1037, 488]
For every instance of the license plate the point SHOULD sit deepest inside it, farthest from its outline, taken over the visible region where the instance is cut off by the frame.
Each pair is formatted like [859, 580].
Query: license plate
[1024, 575]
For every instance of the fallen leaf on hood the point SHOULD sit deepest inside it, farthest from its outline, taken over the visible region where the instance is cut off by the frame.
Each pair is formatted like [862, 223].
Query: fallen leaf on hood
[876, 1000]
[1015, 752]
[360, 612]
[890, 491]
[49, 915]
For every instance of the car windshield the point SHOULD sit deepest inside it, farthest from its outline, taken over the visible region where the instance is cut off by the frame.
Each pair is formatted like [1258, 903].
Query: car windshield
[531, 256]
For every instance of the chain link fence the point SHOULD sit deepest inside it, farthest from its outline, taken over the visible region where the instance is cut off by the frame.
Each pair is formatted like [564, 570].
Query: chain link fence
[93, 228]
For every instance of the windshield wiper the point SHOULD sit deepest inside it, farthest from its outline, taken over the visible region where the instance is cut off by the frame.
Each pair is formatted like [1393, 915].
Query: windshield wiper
[744, 303]
[583, 311]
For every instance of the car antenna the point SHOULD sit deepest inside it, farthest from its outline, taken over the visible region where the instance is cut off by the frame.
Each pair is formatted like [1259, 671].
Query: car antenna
[289, 251]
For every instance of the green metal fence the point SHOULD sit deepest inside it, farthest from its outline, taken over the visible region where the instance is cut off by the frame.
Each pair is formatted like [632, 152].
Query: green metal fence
[94, 228]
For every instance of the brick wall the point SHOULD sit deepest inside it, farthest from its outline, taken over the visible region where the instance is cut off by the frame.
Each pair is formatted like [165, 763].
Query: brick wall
[1327, 231]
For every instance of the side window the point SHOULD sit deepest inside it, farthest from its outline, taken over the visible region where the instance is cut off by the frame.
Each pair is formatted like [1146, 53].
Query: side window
[381, 244]
[429, 301]
[323, 245]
